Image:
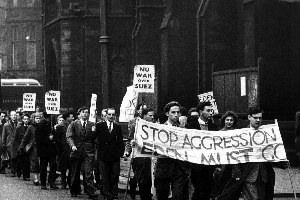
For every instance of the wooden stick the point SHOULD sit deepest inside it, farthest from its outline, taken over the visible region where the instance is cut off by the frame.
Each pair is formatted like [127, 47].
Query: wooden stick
[132, 156]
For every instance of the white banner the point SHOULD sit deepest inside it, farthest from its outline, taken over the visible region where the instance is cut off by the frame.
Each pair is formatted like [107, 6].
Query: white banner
[143, 80]
[209, 97]
[52, 102]
[29, 100]
[93, 108]
[210, 147]
[128, 105]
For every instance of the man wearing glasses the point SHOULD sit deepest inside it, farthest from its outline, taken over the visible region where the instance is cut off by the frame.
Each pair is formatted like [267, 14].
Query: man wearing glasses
[259, 178]
[110, 148]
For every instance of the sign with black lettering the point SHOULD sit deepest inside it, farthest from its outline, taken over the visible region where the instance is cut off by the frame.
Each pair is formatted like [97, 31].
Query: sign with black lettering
[52, 102]
[143, 80]
[210, 147]
[209, 97]
[29, 101]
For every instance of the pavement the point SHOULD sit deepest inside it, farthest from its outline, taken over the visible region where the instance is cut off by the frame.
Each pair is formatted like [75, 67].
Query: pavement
[12, 188]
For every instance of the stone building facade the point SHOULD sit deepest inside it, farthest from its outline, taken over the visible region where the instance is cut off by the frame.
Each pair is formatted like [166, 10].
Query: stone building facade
[21, 53]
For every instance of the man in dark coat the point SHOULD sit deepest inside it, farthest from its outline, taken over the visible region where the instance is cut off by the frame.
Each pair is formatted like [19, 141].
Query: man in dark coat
[81, 139]
[64, 150]
[142, 165]
[170, 171]
[110, 148]
[8, 133]
[23, 161]
[46, 149]
[2, 122]
[202, 175]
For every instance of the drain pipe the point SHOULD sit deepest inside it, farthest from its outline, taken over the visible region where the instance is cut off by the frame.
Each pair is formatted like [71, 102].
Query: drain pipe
[198, 43]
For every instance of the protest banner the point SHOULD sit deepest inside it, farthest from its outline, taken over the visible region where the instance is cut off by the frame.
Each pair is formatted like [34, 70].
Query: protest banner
[93, 108]
[128, 105]
[209, 96]
[210, 147]
[52, 102]
[29, 101]
[143, 80]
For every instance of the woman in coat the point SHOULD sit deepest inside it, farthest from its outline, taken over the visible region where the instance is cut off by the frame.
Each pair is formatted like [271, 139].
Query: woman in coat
[28, 145]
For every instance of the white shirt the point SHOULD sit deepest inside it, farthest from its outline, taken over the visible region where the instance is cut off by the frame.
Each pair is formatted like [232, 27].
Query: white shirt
[83, 122]
[108, 123]
[203, 124]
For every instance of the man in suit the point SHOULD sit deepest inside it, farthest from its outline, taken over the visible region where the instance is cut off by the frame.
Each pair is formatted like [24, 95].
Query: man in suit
[47, 151]
[258, 178]
[141, 165]
[3, 163]
[110, 148]
[8, 134]
[202, 175]
[81, 138]
[170, 171]
[23, 161]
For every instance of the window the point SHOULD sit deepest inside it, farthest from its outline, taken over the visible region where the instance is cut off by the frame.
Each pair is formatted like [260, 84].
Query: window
[15, 54]
[31, 53]
[30, 3]
[15, 3]
[31, 46]
[15, 45]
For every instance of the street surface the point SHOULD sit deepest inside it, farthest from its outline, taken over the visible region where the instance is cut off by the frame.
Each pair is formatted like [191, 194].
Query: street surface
[12, 188]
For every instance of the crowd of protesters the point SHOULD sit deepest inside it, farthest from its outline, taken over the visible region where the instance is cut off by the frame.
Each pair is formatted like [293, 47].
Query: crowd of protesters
[73, 146]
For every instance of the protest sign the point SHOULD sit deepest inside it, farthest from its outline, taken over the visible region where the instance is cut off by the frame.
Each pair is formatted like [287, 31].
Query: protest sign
[209, 97]
[93, 108]
[210, 147]
[143, 80]
[128, 105]
[52, 102]
[29, 101]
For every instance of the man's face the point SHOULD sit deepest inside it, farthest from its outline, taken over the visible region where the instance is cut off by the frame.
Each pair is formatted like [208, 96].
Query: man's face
[173, 114]
[37, 109]
[37, 119]
[13, 115]
[2, 116]
[111, 115]
[149, 117]
[18, 116]
[70, 118]
[60, 120]
[84, 114]
[206, 113]
[103, 115]
[25, 120]
[255, 120]
[139, 111]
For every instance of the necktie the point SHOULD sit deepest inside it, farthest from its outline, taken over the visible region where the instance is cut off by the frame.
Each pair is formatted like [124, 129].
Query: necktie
[84, 127]
[110, 127]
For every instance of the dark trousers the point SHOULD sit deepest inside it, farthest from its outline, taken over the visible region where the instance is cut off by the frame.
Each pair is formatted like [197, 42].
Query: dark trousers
[44, 161]
[202, 178]
[64, 178]
[110, 172]
[88, 165]
[23, 165]
[145, 191]
[13, 165]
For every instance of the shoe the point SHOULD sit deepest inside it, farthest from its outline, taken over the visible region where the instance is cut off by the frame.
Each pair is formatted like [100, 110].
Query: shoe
[93, 196]
[63, 187]
[13, 175]
[73, 195]
[115, 197]
[26, 179]
[53, 186]
[37, 183]
[2, 172]
[43, 187]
